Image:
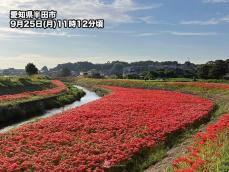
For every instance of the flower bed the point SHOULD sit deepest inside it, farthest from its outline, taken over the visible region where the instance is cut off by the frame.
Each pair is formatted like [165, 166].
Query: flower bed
[100, 134]
[178, 86]
[59, 88]
[207, 150]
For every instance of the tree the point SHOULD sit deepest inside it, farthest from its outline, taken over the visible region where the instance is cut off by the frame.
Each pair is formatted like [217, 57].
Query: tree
[65, 72]
[170, 73]
[117, 69]
[31, 69]
[146, 75]
[203, 71]
[218, 69]
[45, 69]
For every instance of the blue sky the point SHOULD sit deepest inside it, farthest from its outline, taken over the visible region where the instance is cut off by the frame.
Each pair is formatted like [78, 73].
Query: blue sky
[159, 30]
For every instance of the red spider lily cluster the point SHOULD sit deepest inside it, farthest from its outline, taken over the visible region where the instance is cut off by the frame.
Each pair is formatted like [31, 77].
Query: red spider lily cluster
[191, 84]
[203, 85]
[59, 88]
[195, 159]
[100, 134]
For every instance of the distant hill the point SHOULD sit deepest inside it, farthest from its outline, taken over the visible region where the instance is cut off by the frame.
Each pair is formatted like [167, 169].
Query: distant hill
[218, 69]
[136, 69]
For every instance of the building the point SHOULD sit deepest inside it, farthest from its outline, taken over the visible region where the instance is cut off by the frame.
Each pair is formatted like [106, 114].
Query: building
[226, 76]
[83, 73]
[13, 72]
[134, 71]
[94, 73]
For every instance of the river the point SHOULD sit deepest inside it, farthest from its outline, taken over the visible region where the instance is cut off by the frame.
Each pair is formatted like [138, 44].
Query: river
[89, 96]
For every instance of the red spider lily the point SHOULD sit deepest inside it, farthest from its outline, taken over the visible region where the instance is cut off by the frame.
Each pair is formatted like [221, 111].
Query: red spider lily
[191, 84]
[60, 87]
[201, 141]
[203, 85]
[102, 133]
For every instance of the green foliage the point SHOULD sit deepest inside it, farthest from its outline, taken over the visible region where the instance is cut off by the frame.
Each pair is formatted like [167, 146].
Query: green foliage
[203, 71]
[65, 72]
[130, 76]
[218, 69]
[224, 161]
[214, 153]
[134, 69]
[31, 69]
[179, 80]
[213, 70]
[141, 161]
[117, 69]
[150, 75]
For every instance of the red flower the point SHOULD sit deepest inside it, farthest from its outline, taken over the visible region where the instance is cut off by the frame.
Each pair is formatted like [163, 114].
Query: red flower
[202, 140]
[59, 88]
[103, 133]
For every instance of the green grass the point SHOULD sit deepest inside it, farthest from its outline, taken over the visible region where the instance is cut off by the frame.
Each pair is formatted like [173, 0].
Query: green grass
[141, 160]
[13, 85]
[197, 80]
[215, 157]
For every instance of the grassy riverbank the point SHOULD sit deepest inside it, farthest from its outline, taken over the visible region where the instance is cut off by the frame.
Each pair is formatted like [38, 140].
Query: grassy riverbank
[21, 109]
[14, 85]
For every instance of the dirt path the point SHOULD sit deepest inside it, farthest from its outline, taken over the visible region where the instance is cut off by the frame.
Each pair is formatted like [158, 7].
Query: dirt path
[171, 155]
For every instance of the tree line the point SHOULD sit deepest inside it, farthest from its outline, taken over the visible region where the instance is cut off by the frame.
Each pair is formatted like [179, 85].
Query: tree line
[217, 69]
[213, 69]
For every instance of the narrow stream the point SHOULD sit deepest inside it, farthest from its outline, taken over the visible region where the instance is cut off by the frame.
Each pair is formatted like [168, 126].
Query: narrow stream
[89, 96]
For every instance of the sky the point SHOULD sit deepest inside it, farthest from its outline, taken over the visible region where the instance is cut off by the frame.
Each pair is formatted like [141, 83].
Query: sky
[135, 30]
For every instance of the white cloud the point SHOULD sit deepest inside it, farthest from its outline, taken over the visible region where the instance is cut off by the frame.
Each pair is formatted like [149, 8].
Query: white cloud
[225, 19]
[21, 60]
[215, 1]
[117, 11]
[178, 33]
[114, 12]
[146, 34]
[212, 21]
[10, 33]
[152, 20]
[196, 22]
[119, 31]
[40, 60]
[192, 33]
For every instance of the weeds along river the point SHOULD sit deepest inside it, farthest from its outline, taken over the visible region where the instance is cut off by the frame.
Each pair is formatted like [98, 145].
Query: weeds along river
[89, 96]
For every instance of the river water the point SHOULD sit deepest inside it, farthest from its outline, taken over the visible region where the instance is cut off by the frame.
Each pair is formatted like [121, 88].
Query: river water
[89, 96]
